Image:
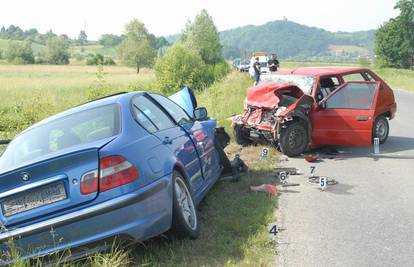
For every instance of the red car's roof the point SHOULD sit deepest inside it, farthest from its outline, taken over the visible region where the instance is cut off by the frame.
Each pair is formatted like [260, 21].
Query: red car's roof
[321, 71]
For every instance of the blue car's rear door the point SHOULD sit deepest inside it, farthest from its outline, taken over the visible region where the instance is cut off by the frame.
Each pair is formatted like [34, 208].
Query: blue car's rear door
[152, 117]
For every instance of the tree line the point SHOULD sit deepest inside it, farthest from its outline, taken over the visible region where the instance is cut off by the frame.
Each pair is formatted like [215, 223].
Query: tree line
[395, 39]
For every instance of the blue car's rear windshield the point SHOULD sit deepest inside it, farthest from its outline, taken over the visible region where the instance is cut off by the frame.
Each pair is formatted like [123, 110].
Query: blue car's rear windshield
[76, 129]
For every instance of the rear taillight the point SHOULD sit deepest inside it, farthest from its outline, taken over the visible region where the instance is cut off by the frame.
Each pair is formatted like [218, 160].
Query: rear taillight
[89, 182]
[116, 171]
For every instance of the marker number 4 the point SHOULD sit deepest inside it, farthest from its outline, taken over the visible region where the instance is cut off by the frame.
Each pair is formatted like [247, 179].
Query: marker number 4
[273, 231]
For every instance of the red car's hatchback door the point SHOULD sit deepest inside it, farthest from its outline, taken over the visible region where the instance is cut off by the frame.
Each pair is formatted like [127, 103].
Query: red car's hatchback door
[346, 116]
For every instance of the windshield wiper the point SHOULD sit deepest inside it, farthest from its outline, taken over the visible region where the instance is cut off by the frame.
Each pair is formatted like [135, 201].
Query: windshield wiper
[4, 142]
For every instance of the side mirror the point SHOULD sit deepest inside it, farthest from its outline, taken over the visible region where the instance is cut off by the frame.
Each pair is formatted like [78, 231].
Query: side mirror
[322, 105]
[200, 114]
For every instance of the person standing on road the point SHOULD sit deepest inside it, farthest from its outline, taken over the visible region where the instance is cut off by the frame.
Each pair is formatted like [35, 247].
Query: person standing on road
[256, 68]
[273, 63]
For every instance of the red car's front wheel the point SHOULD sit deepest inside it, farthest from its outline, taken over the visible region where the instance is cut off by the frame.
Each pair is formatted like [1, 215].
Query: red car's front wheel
[293, 139]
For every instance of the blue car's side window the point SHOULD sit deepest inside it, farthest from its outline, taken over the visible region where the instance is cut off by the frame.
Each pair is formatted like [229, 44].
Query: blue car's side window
[150, 116]
[179, 115]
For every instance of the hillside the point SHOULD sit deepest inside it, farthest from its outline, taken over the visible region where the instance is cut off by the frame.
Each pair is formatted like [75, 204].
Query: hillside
[293, 40]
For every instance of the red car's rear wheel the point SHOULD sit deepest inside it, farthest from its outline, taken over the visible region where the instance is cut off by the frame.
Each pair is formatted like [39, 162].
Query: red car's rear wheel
[381, 129]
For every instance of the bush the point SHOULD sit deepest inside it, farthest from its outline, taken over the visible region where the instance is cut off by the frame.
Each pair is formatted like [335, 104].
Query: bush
[109, 61]
[20, 53]
[179, 67]
[79, 56]
[57, 51]
[98, 59]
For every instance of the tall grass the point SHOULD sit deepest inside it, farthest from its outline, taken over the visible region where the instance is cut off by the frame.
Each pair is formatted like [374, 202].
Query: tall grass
[32, 92]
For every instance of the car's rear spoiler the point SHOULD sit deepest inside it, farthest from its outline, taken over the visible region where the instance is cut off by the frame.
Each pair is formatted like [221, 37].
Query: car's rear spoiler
[4, 142]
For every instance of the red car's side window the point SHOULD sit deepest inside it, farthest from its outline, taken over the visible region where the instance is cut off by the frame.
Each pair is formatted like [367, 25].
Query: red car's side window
[353, 96]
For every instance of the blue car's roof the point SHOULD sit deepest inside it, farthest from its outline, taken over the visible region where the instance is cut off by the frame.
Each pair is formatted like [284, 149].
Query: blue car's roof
[90, 105]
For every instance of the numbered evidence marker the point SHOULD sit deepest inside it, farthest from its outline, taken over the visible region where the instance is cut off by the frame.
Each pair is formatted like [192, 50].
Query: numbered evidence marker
[322, 183]
[283, 176]
[312, 171]
[272, 231]
[265, 153]
[376, 145]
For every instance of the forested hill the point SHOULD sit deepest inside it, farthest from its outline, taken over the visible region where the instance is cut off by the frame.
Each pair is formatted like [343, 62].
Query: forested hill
[293, 40]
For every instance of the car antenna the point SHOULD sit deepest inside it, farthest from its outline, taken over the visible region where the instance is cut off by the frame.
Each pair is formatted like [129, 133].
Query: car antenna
[4, 142]
[120, 93]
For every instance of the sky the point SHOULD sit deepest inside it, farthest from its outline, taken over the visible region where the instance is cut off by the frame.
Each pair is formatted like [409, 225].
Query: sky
[166, 17]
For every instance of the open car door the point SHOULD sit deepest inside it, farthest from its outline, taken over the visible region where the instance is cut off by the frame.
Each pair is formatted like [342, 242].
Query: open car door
[346, 116]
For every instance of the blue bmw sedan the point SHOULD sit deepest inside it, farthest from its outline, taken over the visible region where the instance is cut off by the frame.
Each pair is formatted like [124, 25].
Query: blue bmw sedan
[133, 166]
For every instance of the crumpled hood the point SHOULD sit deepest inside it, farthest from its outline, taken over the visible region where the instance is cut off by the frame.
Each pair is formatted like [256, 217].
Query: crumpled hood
[268, 95]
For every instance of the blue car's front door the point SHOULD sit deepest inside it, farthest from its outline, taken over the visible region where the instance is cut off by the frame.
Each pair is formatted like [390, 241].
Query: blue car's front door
[157, 122]
[201, 133]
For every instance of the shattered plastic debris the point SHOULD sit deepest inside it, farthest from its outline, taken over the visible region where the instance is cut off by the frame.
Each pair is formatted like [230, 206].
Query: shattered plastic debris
[288, 170]
[269, 188]
[311, 158]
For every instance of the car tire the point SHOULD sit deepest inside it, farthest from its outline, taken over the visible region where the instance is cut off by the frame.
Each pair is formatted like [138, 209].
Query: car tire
[293, 139]
[240, 135]
[185, 218]
[381, 129]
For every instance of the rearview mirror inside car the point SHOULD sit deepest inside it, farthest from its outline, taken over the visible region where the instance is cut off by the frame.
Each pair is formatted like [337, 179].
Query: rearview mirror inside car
[200, 114]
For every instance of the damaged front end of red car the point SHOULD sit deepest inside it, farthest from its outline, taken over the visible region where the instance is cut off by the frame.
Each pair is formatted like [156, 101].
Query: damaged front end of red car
[268, 109]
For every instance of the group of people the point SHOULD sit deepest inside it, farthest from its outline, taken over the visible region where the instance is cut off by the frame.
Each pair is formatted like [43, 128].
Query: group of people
[273, 64]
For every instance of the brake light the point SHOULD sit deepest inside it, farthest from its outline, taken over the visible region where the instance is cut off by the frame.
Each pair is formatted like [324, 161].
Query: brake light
[116, 171]
[89, 182]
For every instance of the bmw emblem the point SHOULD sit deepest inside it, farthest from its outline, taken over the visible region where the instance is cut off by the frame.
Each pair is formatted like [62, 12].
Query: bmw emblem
[25, 176]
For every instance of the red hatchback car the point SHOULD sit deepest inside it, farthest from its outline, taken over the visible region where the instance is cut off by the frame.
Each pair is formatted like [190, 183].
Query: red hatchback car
[310, 107]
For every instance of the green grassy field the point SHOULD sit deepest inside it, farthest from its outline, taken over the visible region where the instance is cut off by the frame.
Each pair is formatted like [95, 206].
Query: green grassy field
[33, 92]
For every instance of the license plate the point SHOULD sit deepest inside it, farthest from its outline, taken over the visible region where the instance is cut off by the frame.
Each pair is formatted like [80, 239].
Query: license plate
[34, 199]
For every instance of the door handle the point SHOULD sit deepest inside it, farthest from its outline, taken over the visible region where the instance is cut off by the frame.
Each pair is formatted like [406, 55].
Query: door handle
[167, 141]
[362, 118]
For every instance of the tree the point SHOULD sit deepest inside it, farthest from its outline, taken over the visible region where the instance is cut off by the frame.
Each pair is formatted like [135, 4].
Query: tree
[136, 49]
[57, 51]
[395, 39]
[179, 67]
[82, 38]
[203, 36]
[20, 52]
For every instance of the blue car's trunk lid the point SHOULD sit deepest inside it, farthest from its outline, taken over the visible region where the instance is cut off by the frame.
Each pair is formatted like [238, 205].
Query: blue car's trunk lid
[48, 186]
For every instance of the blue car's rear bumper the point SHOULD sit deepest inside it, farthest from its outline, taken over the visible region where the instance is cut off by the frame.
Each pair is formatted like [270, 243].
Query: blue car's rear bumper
[139, 215]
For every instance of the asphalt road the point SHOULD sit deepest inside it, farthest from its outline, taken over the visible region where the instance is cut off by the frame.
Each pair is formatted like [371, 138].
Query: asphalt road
[365, 220]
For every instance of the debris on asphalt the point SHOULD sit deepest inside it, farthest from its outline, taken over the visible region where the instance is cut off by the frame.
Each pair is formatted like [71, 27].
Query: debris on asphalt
[268, 188]
[288, 170]
[311, 158]
[283, 158]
